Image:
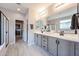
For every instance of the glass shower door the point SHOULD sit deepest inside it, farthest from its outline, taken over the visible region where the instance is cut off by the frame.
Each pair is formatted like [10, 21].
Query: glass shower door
[2, 29]
[6, 32]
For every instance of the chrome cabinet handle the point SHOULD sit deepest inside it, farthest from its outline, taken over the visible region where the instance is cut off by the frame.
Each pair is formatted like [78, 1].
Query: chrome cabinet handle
[44, 46]
[44, 40]
[57, 42]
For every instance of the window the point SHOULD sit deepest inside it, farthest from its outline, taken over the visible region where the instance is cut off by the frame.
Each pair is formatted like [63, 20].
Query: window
[65, 24]
[52, 26]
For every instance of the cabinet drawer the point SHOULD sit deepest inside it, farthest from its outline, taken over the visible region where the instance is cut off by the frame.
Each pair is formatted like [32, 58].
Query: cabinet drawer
[44, 43]
[44, 40]
[44, 47]
[44, 37]
[39, 36]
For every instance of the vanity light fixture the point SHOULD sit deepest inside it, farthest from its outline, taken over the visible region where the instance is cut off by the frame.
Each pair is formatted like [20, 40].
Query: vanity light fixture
[58, 5]
[42, 12]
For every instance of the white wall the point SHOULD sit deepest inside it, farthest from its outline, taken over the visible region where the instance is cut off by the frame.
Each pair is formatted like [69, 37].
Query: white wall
[31, 20]
[12, 16]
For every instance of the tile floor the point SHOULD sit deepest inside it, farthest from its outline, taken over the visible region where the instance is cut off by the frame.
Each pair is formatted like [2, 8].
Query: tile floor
[22, 49]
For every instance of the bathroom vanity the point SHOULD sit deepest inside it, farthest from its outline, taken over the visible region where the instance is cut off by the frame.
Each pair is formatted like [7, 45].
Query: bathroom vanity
[56, 45]
[59, 22]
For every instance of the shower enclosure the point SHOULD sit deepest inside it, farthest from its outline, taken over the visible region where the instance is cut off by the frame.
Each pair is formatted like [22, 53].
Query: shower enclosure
[4, 29]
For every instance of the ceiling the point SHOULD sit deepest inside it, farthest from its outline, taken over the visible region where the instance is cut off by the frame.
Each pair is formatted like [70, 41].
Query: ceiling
[23, 6]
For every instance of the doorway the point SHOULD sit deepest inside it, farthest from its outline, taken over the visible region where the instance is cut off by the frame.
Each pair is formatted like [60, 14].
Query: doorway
[18, 30]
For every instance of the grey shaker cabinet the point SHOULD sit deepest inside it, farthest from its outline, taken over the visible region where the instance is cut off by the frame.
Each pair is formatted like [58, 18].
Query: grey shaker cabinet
[56, 46]
[52, 46]
[65, 48]
[39, 40]
[36, 39]
[77, 49]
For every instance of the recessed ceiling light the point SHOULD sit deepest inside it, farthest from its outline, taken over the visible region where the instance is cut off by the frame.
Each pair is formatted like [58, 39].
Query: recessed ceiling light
[18, 9]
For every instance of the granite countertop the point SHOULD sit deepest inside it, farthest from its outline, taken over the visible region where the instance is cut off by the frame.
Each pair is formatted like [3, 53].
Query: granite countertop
[70, 37]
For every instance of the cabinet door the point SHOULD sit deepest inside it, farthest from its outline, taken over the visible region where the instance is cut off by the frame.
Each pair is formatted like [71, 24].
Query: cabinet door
[35, 39]
[52, 46]
[65, 48]
[39, 40]
[77, 49]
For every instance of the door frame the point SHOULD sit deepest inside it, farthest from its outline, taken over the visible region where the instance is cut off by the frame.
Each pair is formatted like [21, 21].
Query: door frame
[15, 29]
[3, 28]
